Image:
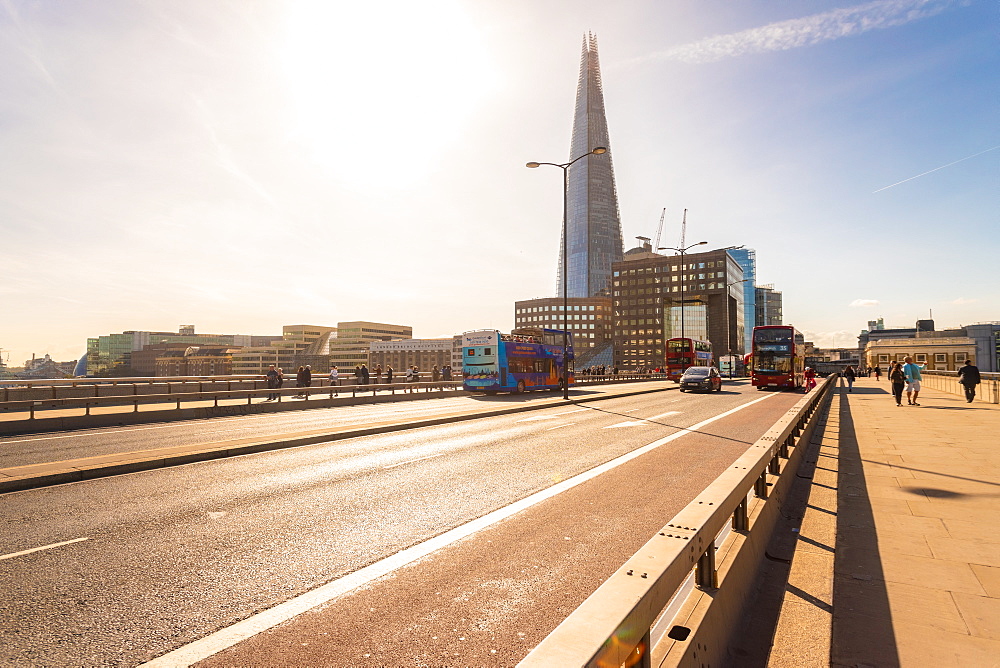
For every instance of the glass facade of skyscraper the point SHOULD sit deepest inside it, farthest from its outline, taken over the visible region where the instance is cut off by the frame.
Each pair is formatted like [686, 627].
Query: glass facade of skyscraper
[594, 232]
[747, 258]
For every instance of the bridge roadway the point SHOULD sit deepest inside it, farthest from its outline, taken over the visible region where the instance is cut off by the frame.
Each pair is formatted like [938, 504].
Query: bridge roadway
[133, 567]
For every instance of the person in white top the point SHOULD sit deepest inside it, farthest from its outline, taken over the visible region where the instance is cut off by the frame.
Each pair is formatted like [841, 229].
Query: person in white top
[334, 379]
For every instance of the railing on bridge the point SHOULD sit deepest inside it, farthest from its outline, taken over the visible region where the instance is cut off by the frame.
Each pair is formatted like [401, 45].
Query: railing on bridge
[78, 393]
[613, 627]
[947, 381]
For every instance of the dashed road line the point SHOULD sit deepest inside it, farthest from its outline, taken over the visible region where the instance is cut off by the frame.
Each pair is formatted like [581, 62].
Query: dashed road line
[39, 549]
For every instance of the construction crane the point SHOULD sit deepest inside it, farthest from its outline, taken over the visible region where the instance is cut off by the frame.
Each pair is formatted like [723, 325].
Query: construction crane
[659, 230]
[684, 226]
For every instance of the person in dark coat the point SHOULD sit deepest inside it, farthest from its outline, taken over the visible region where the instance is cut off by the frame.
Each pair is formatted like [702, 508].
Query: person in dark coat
[850, 376]
[969, 377]
[300, 380]
[898, 379]
[273, 383]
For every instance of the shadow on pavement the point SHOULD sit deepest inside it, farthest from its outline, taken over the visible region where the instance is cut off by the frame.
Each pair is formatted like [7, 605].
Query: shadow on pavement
[864, 634]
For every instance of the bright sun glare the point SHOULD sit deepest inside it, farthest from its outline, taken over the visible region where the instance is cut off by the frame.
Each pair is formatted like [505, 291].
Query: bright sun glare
[379, 89]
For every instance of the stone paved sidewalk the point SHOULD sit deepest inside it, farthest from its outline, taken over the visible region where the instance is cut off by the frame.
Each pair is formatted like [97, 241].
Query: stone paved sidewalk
[897, 557]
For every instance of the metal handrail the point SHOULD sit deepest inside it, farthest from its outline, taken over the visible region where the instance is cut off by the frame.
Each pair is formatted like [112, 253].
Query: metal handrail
[947, 381]
[612, 627]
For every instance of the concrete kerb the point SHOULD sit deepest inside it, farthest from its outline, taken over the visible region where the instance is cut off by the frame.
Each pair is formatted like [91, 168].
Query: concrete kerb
[20, 478]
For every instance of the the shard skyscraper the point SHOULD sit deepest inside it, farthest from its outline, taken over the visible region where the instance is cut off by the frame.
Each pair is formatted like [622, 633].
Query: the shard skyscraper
[594, 229]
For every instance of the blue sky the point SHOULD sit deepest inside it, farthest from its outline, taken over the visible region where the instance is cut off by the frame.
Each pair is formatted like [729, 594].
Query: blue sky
[245, 165]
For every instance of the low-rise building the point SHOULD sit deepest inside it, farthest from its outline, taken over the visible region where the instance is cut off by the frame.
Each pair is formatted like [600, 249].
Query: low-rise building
[938, 353]
[401, 354]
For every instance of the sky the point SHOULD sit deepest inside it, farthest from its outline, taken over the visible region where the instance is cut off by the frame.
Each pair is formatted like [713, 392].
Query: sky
[242, 165]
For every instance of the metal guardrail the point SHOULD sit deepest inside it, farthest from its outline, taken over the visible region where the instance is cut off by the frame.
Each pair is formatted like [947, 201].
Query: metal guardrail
[612, 627]
[178, 398]
[947, 381]
[177, 391]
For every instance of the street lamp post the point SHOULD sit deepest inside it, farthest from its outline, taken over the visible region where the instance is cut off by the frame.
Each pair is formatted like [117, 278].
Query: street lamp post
[683, 250]
[565, 262]
[729, 338]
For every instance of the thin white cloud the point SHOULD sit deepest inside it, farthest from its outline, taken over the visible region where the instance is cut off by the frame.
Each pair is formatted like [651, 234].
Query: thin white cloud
[858, 303]
[807, 31]
[962, 300]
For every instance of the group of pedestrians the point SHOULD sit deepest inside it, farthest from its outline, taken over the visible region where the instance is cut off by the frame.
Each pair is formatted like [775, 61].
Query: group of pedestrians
[906, 376]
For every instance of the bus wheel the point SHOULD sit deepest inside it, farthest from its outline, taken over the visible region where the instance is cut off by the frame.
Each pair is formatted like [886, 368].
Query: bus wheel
[520, 387]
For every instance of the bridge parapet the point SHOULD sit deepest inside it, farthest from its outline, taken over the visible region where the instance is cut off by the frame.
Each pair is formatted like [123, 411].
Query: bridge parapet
[622, 623]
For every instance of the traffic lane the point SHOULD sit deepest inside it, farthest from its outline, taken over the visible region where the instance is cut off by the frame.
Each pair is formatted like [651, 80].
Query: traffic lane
[562, 436]
[489, 599]
[25, 450]
[243, 536]
[43, 448]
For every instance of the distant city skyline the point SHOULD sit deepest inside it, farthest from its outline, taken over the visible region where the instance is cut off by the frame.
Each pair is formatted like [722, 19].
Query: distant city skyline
[244, 166]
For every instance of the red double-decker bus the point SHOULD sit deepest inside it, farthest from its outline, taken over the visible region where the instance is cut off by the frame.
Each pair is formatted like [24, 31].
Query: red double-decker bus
[778, 358]
[684, 353]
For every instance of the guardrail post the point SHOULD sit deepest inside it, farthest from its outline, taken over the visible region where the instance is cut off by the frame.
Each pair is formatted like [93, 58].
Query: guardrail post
[135, 406]
[741, 521]
[774, 466]
[760, 487]
[705, 575]
[783, 450]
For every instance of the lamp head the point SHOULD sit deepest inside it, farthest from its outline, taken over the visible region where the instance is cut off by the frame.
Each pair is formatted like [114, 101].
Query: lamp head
[532, 165]
[599, 150]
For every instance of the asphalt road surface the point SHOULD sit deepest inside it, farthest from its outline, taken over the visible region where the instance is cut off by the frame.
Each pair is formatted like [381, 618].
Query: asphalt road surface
[136, 566]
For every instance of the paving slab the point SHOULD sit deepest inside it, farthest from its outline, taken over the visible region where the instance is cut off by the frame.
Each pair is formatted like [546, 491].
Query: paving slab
[916, 564]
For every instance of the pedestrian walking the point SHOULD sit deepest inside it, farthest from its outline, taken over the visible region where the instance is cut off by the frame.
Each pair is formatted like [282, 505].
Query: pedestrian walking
[446, 372]
[335, 379]
[409, 378]
[378, 374]
[897, 377]
[300, 381]
[878, 372]
[913, 379]
[969, 377]
[850, 376]
[273, 382]
[364, 374]
[435, 373]
[388, 374]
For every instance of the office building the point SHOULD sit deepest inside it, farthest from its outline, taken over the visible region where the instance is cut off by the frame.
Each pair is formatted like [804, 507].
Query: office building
[112, 354]
[299, 345]
[403, 353]
[352, 345]
[747, 259]
[768, 306]
[588, 318]
[658, 297]
[593, 231]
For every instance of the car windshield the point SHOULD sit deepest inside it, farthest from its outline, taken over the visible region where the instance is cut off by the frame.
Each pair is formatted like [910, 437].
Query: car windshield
[697, 372]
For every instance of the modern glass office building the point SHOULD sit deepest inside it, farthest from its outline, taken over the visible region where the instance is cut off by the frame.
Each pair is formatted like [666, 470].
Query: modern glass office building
[594, 230]
[747, 258]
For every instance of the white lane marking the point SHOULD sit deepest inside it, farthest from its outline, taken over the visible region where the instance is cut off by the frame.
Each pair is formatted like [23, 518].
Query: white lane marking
[551, 416]
[39, 549]
[262, 621]
[410, 461]
[643, 421]
[568, 424]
